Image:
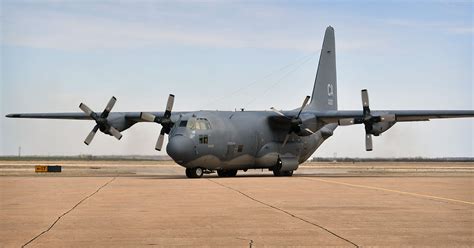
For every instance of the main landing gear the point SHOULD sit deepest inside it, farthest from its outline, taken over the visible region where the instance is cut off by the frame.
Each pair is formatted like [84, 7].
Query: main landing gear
[226, 173]
[278, 172]
[198, 172]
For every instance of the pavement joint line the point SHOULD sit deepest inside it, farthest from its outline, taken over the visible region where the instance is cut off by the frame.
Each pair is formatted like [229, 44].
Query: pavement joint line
[286, 212]
[67, 212]
[391, 190]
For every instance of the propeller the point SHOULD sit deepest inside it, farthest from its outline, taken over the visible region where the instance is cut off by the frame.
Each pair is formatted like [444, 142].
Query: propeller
[101, 121]
[367, 119]
[295, 122]
[165, 121]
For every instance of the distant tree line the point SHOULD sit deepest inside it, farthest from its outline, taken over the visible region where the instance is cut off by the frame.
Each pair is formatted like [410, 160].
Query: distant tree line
[87, 157]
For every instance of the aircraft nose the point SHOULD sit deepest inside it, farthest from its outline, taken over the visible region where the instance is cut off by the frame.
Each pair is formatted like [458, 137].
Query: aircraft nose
[180, 149]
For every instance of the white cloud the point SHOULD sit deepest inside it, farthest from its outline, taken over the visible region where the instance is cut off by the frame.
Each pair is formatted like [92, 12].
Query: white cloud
[449, 27]
[253, 27]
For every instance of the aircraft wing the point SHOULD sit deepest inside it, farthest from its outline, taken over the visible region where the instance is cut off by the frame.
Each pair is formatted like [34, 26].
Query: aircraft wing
[113, 123]
[395, 115]
[379, 121]
[125, 117]
[130, 116]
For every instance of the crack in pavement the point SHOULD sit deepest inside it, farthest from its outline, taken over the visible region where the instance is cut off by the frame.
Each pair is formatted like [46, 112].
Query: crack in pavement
[249, 240]
[286, 212]
[65, 213]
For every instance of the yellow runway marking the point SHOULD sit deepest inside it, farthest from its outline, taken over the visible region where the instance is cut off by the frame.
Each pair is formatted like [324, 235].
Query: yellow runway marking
[394, 191]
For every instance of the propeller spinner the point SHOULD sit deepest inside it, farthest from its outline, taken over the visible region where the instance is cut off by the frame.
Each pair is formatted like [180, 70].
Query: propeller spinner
[101, 121]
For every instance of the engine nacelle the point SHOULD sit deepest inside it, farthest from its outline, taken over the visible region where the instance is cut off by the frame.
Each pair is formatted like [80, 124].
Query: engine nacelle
[118, 121]
[308, 122]
[380, 127]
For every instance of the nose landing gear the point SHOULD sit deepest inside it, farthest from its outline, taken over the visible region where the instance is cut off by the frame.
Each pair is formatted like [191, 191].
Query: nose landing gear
[194, 172]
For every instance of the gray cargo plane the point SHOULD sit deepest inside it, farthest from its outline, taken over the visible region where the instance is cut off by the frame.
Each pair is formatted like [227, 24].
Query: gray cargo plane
[228, 141]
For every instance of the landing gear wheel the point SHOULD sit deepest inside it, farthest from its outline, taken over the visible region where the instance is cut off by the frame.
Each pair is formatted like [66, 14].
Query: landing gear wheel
[226, 173]
[194, 172]
[279, 173]
[288, 173]
[232, 173]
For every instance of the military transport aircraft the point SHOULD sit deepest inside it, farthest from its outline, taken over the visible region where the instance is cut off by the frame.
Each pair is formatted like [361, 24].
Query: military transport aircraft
[228, 141]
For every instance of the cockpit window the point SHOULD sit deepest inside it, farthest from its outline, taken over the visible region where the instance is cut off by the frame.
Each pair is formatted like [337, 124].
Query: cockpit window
[183, 123]
[198, 124]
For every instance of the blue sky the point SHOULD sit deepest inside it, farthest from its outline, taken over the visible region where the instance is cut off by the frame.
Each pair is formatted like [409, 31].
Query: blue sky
[226, 55]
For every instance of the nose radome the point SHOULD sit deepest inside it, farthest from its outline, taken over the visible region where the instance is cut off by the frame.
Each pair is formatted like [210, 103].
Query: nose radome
[180, 149]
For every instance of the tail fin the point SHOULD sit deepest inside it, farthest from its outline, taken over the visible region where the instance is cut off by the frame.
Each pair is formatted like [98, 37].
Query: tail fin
[325, 85]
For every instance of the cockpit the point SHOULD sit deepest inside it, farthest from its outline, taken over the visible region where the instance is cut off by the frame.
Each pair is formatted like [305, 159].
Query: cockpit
[195, 124]
[189, 137]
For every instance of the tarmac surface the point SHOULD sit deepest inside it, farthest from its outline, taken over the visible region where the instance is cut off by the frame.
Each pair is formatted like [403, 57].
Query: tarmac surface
[130, 204]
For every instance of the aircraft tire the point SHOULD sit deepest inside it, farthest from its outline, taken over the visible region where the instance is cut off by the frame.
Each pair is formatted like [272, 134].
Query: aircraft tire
[194, 172]
[279, 173]
[288, 173]
[226, 173]
[221, 173]
[231, 173]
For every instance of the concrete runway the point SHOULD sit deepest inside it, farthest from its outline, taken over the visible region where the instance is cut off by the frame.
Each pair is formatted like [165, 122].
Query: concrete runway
[100, 204]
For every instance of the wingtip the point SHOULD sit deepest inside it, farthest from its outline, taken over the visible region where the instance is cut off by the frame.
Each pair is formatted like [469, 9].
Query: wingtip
[12, 115]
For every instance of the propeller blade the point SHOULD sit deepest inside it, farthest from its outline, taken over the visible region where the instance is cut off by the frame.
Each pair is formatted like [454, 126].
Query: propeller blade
[109, 107]
[368, 142]
[365, 98]
[286, 140]
[278, 112]
[115, 133]
[303, 105]
[86, 109]
[346, 122]
[147, 117]
[169, 106]
[91, 135]
[159, 142]
[309, 130]
[388, 118]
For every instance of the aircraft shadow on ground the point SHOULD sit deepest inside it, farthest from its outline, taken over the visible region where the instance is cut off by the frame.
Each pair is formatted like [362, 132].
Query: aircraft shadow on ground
[164, 177]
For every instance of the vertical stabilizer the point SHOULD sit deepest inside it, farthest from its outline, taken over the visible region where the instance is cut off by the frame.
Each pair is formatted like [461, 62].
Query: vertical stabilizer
[324, 95]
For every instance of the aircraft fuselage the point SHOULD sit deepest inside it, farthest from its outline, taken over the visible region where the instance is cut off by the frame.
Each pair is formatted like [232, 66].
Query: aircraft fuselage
[218, 140]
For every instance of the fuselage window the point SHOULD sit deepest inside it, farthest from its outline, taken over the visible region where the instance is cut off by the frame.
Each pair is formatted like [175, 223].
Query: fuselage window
[183, 123]
[203, 139]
